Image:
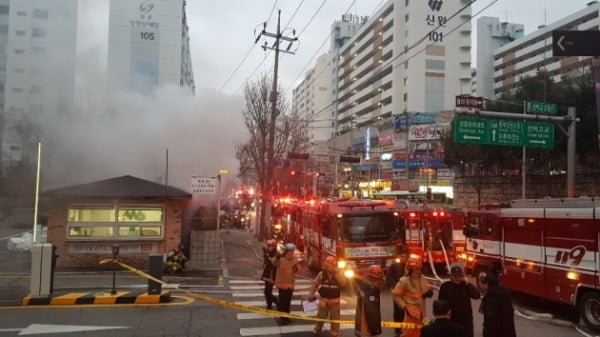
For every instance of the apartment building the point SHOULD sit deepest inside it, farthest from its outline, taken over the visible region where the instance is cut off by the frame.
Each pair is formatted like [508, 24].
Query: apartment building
[524, 56]
[148, 46]
[39, 71]
[491, 35]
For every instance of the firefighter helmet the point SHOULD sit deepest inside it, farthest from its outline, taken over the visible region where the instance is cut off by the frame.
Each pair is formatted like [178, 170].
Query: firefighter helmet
[413, 263]
[330, 261]
[290, 247]
[375, 271]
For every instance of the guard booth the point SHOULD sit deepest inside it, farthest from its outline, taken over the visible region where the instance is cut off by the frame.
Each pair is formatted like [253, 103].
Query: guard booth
[140, 216]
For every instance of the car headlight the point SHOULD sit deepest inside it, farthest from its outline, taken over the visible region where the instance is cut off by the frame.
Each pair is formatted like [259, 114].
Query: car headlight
[349, 273]
[341, 264]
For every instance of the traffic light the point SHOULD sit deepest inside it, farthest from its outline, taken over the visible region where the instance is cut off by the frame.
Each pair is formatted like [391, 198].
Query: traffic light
[349, 159]
[297, 155]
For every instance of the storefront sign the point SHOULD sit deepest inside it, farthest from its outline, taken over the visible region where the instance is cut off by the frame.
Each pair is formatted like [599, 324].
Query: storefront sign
[106, 248]
[385, 140]
[425, 132]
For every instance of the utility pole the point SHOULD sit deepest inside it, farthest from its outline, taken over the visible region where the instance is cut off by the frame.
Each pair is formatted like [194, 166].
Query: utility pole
[268, 193]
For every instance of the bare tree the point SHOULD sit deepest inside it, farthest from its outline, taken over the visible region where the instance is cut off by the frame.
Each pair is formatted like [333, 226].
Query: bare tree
[257, 117]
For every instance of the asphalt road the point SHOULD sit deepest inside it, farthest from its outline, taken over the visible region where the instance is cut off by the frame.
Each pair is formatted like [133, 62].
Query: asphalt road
[187, 316]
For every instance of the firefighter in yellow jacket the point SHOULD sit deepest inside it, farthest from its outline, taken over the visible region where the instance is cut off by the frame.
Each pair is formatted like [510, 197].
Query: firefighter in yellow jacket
[329, 283]
[284, 278]
[410, 293]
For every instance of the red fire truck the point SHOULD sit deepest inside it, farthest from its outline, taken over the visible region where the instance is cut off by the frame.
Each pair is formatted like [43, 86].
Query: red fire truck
[435, 234]
[359, 233]
[547, 248]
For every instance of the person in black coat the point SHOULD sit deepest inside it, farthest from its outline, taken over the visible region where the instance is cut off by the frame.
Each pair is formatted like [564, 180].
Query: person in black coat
[497, 308]
[442, 326]
[395, 272]
[269, 271]
[458, 292]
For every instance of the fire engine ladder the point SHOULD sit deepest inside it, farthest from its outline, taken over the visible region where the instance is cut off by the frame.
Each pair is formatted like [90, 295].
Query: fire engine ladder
[581, 202]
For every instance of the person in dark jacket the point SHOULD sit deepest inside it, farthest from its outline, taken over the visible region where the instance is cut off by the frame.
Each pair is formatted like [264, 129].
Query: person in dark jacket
[395, 272]
[443, 326]
[367, 322]
[497, 308]
[269, 271]
[458, 292]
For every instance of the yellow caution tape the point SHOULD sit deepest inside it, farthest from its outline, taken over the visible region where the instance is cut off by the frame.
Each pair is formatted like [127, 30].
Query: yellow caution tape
[234, 305]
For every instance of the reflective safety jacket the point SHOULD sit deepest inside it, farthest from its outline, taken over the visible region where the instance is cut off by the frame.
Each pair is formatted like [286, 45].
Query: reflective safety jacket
[329, 287]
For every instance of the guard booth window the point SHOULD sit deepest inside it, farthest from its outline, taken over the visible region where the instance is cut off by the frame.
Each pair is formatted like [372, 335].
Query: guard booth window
[115, 222]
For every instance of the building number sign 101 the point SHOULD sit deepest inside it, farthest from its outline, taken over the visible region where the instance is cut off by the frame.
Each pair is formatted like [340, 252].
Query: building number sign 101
[147, 36]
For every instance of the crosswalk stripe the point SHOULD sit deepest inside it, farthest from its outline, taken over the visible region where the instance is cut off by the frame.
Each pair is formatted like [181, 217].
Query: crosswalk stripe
[275, 330]
[254, 294]
[262, 303]
[262, 282]
[252, 315]
[261, 287]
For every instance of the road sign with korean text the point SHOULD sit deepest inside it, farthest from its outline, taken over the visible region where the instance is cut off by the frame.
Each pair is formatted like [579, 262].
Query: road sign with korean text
[539, 135]
[473, 130]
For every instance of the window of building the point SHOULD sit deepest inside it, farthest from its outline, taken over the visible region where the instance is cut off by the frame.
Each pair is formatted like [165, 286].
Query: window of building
[110, 222]
[405, 81]
[19, 70]
[405, 97]
[3, 29]
[40, 13]
[17, 90]
[406, 18]
[20, 32]
[21, 13]
[4, 10]
[39, 32]
[19, 51]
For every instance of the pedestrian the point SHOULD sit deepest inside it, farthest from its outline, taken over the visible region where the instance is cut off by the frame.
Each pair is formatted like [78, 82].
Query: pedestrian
[269, 271]
[328, 282]
[458, 292]
[410, 294]
[367, 322]
[395, 272]
[284, 278]
[442, 325]
[497, 308]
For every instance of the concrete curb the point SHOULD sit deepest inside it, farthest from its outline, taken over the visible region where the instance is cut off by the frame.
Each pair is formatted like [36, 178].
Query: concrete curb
[122, 297]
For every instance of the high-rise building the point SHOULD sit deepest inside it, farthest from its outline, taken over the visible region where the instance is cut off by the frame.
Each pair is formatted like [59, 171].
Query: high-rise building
[40, 49]
[148, 46]
[525, 56]
[491, 35]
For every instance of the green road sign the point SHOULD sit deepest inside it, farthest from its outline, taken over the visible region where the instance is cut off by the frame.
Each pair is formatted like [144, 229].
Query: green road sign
[506, 132]
[539, 135]
[541, 108]
[474, 130]
[471, 130]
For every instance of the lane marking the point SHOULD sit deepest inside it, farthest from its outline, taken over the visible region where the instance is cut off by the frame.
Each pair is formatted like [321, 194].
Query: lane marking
[276, 330]
[252, 315]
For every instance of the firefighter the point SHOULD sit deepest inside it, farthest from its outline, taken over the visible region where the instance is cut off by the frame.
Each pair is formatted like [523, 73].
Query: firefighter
[328, 282]
[458, 292]
[410, 294]
[496, 307]
[269, 271]
[368, 310]
[396, 271]
[284, 278]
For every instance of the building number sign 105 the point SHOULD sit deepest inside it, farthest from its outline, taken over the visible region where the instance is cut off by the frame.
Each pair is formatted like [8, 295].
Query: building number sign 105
[147, 36]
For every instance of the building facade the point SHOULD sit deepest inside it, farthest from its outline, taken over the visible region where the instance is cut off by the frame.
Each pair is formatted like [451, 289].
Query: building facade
[39, 49]
[396, 75]
[525, 56]
[491, 35]
[148, 46]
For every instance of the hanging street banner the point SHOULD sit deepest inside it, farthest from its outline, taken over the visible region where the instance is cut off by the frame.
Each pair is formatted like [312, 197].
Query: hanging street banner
[204, 185]
[472, 130]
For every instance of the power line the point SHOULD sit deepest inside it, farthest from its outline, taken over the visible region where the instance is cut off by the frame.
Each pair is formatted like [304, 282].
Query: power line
[249, 51]
[269, 52]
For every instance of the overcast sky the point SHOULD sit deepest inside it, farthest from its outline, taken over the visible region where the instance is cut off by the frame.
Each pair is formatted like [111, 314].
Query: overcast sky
[222, 32]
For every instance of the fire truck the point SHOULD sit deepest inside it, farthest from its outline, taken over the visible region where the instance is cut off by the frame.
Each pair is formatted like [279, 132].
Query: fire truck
[435, 235]
[547, 248]
[359, 233]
